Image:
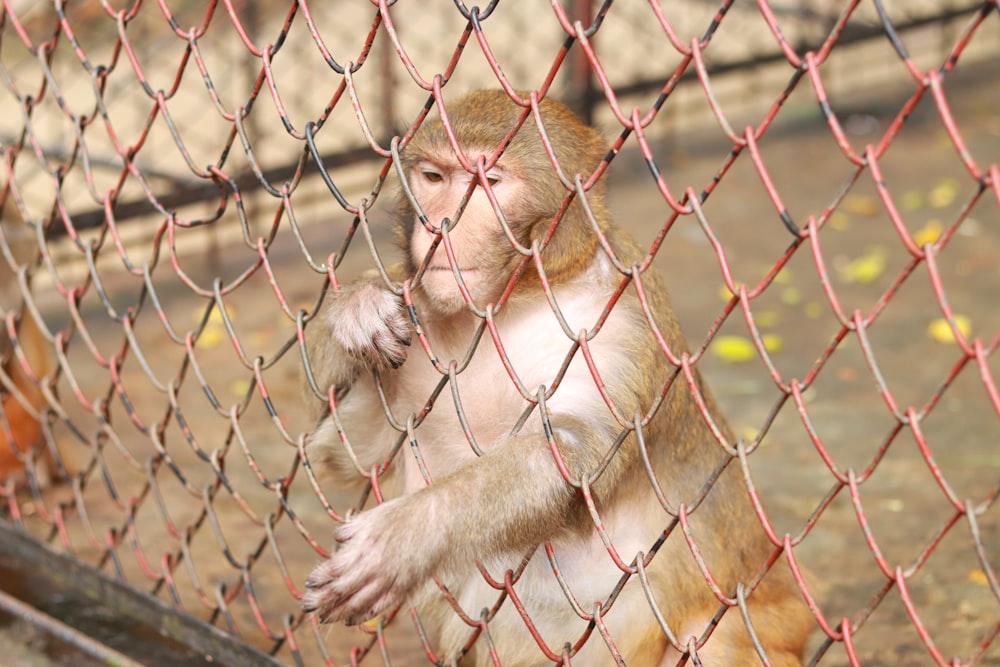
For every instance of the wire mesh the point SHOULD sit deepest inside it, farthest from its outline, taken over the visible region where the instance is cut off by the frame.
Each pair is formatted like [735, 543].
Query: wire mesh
[818, 182]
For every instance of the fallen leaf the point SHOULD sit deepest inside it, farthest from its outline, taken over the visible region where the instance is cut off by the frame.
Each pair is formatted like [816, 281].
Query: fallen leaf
[813, 310]
[791, 296]
[772, 342]
[734, 349]
[840, 221]
[865, 269]
[214, 331]
[912, 200]
[978, 577]
[943, 194]
[766, 318]
[212, 336]
[239, 388]
[894, 504]
[929, 233]
[941, 331]
[215, 317]
[861, 204]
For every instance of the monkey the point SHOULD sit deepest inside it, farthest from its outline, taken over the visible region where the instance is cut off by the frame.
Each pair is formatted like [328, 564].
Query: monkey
[569, 435]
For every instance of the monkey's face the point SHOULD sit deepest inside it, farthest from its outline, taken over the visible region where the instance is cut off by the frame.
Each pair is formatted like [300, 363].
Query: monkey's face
[474, 252]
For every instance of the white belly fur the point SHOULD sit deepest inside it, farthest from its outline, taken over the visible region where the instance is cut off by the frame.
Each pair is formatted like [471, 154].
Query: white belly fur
[536, 347]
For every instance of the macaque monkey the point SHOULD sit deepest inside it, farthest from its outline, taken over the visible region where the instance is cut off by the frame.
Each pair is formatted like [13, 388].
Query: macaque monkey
[499, 470]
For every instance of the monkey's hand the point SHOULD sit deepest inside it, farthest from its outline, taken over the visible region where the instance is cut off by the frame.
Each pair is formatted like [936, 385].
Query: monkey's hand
[373, 569]
[362, 327]
[368, 321]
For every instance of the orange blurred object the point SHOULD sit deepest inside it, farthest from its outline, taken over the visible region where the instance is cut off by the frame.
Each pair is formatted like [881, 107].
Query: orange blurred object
[19, 426]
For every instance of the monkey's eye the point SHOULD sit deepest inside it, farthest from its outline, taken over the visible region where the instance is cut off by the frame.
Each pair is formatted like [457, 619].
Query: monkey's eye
[431, 175]
[492, 178]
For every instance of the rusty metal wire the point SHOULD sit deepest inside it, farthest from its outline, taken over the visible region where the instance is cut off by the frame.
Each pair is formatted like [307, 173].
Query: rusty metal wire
[165, 240]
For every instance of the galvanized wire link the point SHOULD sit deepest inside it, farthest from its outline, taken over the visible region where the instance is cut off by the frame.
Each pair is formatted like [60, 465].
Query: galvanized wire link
[165, 246]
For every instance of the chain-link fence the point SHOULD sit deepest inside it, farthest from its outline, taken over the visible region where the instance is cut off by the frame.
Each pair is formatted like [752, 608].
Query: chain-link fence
[818, 182]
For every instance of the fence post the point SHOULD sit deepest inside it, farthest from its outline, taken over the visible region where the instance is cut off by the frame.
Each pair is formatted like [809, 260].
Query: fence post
[580, 93]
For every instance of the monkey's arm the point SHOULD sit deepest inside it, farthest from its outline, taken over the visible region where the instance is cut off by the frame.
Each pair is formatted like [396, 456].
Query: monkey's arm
[471, 513]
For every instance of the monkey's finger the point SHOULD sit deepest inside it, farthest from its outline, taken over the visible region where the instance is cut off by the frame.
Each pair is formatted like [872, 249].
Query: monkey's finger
[375, 597]
[388, 350]
[400, 327]
[343, 534]
[336, 598]
[317, 600]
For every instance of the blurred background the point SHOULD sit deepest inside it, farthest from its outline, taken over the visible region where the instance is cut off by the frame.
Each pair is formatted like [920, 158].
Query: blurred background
[181, 181]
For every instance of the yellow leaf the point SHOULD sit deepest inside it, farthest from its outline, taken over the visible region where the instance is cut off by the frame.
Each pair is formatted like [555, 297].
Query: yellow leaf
[912, 200]
[772, 342]
[865, 269]
[894, 504]
[749, 433]
[734, 349]
[724, 293]
[929, 233]
[791, 296]
[840, 221]
[814, 310]
[784, 276]
[943, 194]
[941, 331]
[239, 388]
[215, 317]
[861, 204]
[978, 577]
[766, 318]
[211, 337]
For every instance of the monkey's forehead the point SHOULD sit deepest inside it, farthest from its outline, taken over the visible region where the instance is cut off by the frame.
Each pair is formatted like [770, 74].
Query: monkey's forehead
[442, 152]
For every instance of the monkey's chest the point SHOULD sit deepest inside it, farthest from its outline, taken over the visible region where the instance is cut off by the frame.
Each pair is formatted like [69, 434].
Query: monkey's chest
[451, 423]
[501, 390]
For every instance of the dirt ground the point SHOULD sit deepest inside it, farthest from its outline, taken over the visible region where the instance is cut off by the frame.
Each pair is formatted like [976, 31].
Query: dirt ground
[905, 505]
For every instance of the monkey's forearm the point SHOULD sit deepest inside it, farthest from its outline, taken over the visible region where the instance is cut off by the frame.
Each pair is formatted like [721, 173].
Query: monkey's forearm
[467, 515]
[478, 514]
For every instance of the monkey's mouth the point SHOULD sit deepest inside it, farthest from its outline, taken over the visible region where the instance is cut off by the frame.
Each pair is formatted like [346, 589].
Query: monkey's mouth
[448, 269]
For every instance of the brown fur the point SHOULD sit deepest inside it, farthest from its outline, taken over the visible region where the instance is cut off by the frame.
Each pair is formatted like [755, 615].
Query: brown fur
[500, 506]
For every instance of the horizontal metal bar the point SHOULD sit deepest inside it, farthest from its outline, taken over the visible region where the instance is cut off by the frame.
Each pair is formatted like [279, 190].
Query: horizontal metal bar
[86, 608]
[65, 633]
